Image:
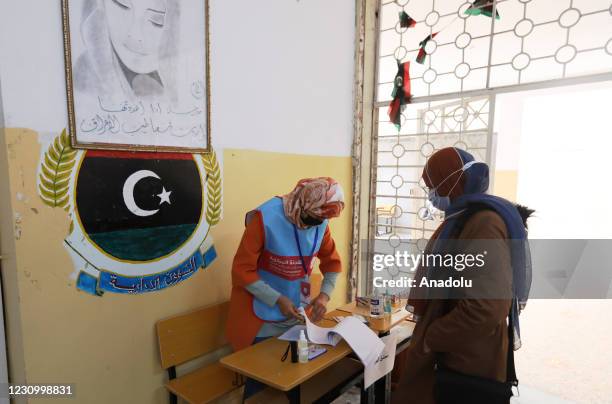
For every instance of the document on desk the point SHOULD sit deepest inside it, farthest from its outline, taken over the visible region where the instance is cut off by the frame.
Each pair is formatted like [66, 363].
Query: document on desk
[383, 364]
[292, 334]
[363, 341]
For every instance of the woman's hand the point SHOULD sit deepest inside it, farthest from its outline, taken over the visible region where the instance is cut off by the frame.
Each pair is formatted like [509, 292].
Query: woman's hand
[287, 307]
[318, 307]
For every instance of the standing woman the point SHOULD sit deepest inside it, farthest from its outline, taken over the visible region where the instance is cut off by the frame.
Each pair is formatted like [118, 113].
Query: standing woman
[461, 349]
[272, 266]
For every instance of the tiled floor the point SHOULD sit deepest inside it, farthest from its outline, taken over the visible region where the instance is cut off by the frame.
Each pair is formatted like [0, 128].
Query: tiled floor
[528, 395]
[350, 397]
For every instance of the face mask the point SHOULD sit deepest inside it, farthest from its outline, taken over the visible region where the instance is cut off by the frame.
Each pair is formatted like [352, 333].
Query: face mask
[311, 221]
[443, 202]
[438, 202]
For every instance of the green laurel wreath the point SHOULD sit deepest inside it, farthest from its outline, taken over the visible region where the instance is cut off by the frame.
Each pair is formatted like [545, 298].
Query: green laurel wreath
[60, 158]
[55, 169]
[213, 187]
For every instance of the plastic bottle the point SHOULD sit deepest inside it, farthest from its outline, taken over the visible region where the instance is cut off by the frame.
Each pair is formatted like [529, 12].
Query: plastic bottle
[302, 348]
[387, 303]
[376, 305]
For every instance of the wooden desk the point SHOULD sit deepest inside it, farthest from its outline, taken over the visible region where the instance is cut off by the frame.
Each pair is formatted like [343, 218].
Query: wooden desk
[353, 308]
[381, 325]
[262, 362]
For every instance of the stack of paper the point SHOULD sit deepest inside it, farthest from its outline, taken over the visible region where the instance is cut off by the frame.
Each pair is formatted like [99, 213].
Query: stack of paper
[363, 341]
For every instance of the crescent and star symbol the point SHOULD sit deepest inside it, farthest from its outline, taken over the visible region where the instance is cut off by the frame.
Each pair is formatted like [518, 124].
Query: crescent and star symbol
[128, 193]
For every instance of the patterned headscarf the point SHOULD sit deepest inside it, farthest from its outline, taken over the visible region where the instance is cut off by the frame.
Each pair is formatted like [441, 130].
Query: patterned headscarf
[320, 198]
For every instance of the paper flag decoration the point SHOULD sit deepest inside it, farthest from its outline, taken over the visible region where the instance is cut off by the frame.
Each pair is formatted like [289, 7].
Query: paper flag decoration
[405, 20]
[401, 93]
[482, 7]
[422, 54]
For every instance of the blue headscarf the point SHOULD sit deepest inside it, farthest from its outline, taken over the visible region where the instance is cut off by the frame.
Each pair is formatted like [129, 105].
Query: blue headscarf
[475, 186]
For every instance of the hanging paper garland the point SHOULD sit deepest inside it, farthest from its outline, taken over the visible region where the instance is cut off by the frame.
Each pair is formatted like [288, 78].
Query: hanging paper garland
[405, 20]
[422, 54]
[401, 93]
[482, 7]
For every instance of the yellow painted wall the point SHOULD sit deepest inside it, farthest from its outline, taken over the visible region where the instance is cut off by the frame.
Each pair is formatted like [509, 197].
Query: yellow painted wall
[107, 346]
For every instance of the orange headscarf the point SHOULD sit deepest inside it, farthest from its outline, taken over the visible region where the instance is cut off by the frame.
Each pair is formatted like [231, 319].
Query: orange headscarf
[320, 198]
[445, 165]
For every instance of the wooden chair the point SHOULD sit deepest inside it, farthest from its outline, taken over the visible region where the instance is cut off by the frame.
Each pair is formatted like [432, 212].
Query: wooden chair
[385, 213]
[189, 336]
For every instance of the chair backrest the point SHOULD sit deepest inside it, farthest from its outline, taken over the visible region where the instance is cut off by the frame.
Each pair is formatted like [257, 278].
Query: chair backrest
[190, 335]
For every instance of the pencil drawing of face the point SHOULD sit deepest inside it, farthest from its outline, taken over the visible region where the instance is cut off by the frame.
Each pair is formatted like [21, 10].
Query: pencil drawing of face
[136, 29]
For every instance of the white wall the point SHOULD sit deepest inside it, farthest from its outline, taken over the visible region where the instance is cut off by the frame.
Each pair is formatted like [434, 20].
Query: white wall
[507, 126]
[510, 120]
[282, 72]
[563, 158]
[557, 140]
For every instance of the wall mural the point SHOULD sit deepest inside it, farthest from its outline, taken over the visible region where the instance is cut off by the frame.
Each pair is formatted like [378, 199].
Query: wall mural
[140, 221]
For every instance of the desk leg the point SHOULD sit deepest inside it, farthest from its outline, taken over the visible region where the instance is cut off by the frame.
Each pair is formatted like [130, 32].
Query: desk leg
[382, 387]
[367, 395]
[382, 390]
[294, 395]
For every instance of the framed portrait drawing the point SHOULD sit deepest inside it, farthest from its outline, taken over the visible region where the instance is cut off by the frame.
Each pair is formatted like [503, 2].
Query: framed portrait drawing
[137, 74]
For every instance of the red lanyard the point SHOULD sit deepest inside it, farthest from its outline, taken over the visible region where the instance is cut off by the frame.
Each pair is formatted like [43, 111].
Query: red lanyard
[297, 241]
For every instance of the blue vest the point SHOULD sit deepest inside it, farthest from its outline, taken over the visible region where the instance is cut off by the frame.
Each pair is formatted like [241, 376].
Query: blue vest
[279, 264]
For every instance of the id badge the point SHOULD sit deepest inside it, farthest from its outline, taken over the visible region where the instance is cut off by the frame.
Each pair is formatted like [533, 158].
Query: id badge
[305, 293]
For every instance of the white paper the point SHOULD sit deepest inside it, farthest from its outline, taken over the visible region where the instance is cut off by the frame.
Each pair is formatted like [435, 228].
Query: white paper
[292, 334]
[360, 318]
[320, 335]
[383, 364]
[363, 341]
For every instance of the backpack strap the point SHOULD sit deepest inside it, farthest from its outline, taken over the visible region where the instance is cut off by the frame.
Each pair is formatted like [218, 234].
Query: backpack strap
[510, 368]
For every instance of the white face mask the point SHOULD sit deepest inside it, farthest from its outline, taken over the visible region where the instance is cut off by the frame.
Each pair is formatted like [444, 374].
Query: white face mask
[438, 202]
[443, 202]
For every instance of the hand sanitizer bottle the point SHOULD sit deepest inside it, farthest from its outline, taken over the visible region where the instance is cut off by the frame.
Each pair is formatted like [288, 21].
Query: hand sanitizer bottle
[302, 348]
[376, 305]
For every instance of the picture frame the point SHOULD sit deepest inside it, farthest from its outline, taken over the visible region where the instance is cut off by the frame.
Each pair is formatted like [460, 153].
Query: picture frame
[137, 78]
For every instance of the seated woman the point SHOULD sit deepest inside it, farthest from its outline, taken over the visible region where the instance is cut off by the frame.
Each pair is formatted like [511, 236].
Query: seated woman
[271, 269]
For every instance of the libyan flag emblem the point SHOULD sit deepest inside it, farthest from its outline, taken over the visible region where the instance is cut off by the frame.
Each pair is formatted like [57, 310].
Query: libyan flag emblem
[140, 220]
[139, 206]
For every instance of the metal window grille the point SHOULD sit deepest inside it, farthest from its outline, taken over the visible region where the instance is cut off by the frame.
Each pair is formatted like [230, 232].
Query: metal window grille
[534, 44]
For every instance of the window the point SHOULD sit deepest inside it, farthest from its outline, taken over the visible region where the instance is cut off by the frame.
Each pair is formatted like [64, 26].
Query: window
[472, 58]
